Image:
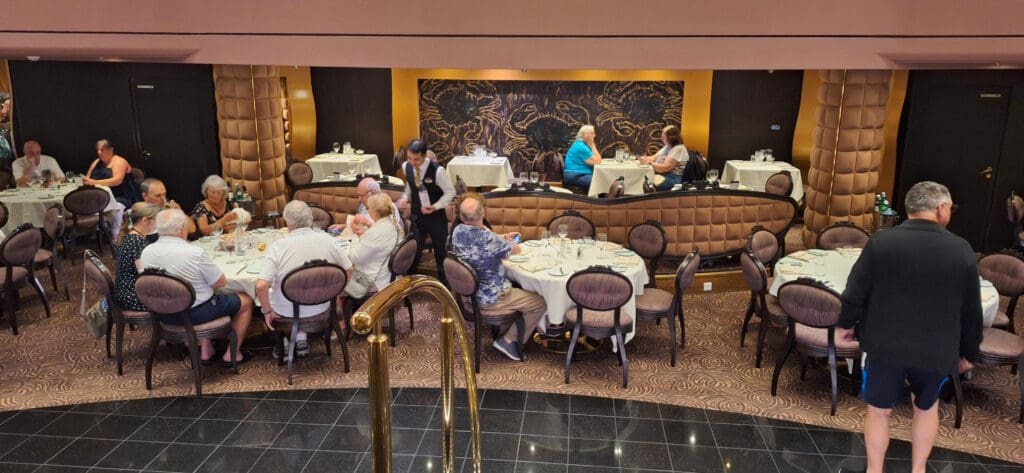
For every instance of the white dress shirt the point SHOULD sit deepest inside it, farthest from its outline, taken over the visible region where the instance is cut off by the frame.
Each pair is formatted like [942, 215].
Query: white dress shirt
[186, 261]
[282, 256]
[442, 181]
[371, 252]
[46, 163]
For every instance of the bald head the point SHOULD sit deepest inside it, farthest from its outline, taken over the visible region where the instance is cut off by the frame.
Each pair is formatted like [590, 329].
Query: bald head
[471, 210]
[367, 187]
[32, 149]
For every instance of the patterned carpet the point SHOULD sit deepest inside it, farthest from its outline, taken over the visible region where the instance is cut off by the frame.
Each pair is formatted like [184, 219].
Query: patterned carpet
[55, 362]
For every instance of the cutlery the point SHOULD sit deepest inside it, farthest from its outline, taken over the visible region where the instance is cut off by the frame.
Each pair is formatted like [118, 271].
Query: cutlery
[240, 270]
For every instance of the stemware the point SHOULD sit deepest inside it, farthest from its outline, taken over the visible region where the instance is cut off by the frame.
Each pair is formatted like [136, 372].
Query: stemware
[712, 175]
[336, 147]
[563, 230]
[545, 236]
[523, 177]
[534, 177]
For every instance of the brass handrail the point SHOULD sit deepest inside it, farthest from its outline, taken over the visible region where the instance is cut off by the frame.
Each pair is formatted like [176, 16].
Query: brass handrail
[368, 319]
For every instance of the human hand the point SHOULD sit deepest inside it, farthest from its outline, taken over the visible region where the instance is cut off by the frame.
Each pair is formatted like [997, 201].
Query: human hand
[229, 217]
[844, 334]
[337, 227]
[89, 182]
[361, 220]
[173, 205]
[427, 209]
[510, 236]
[965, 366]
[270, 317]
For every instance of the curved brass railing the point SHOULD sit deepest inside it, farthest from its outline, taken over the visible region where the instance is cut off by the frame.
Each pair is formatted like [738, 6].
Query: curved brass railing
[368, 319]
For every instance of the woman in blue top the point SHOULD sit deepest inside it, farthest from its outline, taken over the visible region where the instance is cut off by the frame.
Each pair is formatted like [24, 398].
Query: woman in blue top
[581, 159]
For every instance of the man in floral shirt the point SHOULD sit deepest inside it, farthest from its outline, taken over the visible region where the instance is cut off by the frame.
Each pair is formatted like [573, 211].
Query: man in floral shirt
[483, 250]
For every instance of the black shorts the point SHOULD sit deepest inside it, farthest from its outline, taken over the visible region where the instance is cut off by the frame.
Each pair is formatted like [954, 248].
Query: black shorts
[214, 308]
[883, 384]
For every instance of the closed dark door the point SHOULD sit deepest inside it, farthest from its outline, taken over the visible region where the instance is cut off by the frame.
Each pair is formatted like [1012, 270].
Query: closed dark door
[955, 137]
[177, 134]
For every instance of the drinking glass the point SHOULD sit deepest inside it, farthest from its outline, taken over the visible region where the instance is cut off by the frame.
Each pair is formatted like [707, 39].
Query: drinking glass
[534, 177]
[712, 175]
[551, 239]
[563, 230]
[347, 147]
[523, 177]
[545, 235]
[602, 238]
[336, 146]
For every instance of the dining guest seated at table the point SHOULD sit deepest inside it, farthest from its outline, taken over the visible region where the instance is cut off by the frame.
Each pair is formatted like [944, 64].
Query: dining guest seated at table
[372, 251]
[483, 250]
[214, 212]
[178, 257]
[34, 165]
[670, 161]
[155, 192]
[362, 220]
[113, 171]
[581, 159]
[302, 244]
[139, 224]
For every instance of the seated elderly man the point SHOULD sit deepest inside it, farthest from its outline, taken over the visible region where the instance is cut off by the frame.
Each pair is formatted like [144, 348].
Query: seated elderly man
[362, 220]
[483, 250]
[34, 165]
[178, 257]
[302, 244]
[155, 192]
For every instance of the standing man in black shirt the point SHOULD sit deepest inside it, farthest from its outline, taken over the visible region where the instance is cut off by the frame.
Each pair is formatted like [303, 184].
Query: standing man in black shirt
[914, 300]
[428, 191]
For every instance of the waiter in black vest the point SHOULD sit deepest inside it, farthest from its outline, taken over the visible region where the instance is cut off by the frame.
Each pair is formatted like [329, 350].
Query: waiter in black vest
[428, 191]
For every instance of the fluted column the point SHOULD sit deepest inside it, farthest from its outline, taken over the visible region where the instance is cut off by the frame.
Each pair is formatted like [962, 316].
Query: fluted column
[251, 122]
[847, 149]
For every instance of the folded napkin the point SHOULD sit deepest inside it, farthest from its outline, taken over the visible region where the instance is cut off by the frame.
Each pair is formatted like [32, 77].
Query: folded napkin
[609, 245]
[524, 250]
[802, 256]
[990, 297]
[624, 261]
[788, 270]
[532, 267]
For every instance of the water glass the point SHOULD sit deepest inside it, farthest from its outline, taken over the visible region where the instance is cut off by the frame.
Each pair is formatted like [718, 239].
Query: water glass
[712, 175]
[336, 146]
[534, 177]
[523, 177]
[545, 235]
[347, 147]
[563, 230]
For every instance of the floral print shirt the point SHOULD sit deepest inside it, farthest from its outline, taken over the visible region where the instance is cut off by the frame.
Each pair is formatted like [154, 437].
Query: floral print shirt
[483, 250]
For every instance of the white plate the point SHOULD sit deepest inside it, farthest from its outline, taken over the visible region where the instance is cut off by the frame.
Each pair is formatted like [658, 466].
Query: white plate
[619, 268]
[532, 243]
[558, 272]
[253, 269]
[624, 252]
[518, 259]
[817, 252]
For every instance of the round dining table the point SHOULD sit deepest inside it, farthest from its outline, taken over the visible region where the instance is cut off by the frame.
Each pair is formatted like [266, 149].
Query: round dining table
[28, 205]
[544, 267]
[833, 268]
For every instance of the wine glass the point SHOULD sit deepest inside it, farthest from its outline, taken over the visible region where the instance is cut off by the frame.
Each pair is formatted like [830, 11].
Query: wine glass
[523, 177]
[534, 177]
[551, 239]
[545, 235]
[563, 230]
[336, 147]
[712, 175]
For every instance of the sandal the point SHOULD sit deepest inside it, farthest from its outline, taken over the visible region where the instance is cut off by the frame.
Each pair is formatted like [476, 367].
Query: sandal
[246, 356]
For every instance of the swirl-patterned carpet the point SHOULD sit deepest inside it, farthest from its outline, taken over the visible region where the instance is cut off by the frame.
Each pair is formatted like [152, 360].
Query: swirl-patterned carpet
[55, 362]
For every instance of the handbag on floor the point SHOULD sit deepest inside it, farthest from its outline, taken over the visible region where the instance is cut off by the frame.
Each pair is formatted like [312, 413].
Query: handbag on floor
[95, 317]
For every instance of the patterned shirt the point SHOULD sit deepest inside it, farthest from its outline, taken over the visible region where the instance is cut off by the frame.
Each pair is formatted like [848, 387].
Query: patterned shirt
[483, 250]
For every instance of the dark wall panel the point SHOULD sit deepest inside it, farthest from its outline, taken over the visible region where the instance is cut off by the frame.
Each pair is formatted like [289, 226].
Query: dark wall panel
[745, 106]
[161, 117]
[354, 105]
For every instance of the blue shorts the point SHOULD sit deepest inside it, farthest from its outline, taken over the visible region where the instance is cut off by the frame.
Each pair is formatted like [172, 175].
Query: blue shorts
[214, 308]
[883, 384]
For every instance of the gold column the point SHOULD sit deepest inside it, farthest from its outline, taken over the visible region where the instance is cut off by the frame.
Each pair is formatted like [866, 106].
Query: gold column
[368, 319]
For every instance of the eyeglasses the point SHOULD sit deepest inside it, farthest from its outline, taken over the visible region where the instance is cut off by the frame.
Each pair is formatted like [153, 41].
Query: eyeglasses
[952, 207]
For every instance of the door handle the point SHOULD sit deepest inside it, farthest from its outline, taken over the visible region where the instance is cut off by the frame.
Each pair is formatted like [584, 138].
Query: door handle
[987, 172]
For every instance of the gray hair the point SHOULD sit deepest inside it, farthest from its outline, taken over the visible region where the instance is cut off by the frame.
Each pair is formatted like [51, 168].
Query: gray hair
[297, 214]
[214, 182]
[583, 130]
[147, 183]
[380, 204]
[105, 144]
[171, 222]
[475, 215]
[926, 196]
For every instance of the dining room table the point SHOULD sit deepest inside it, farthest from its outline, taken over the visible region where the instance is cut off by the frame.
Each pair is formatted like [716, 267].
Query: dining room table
[346, 164]
[832, 267]
[754, 174]
[480, 171]
[633, 173]
[544, 267]
[29, 204]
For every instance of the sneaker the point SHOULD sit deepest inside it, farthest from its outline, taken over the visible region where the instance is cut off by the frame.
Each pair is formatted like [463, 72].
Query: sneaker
[510, 349]
[553, 332]
[301, 348]
[277, 352]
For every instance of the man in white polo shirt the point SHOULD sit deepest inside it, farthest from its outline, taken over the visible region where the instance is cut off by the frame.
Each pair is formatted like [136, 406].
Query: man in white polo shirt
[303, 244]
[174, 254]
[34, 165]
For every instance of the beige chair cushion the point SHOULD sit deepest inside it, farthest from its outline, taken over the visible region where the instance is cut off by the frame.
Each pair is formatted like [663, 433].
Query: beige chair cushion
[595, 318]
[131, 315]
[17, 274]
[1000, 343]
[654, 300]
[42, 256]
[1001, 321]
[776, 313]
[818, 338]
[211, 325]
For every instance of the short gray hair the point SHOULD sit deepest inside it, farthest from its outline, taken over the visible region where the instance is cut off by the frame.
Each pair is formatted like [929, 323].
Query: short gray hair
[476, 215]
[297, 214]
[147, 183]
[926, 196]
[584, 129]
[380, 204]
[171, 222]
[214, 182]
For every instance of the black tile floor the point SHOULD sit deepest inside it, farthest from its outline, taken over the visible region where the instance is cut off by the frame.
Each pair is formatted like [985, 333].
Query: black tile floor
[327, 431]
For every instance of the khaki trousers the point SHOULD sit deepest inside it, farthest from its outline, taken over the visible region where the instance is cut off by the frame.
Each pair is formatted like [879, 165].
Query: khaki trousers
[531, 305]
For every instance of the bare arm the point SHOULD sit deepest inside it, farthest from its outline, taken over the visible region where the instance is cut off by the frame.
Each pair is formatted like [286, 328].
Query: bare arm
[118, 168]
[263, 295]
[223, 281]
[595, 155]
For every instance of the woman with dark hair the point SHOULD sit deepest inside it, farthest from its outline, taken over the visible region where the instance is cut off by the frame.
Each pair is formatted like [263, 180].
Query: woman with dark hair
[139, 223]
[670, 161]
[113, 171]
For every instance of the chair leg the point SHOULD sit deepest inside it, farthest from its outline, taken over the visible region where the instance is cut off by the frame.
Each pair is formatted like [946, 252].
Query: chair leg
[672, 338]
[327, 340]
[623, 360]
[476, 343]
[110, 328]
[833, 377]
[393, 327]
[233, 348]
[1020, 380]
[408, 306]
[762, 331]
[193, 352]
[803, 368]
[53, 274]
[34, 281]
[119, 346]
[778, 366]
[291, 347]
[154, 341]
[572, 349]
[342, 340]
[682, 327]
[279, 343]
[746, 318]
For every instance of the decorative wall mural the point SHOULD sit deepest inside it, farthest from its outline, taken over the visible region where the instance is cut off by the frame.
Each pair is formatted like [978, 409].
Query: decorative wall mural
[534, 122]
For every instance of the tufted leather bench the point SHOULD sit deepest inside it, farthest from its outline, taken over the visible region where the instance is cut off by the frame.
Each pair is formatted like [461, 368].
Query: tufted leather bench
[339, 198]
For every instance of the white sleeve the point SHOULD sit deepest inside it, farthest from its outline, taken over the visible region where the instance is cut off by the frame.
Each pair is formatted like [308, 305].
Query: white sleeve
[55, 169]
[446, 185]
[208, 269]
[18, 168]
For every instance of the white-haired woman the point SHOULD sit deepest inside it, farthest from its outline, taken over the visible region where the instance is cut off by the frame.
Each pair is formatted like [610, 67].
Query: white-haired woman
[581, 159]
[371, 252]
[214, 212]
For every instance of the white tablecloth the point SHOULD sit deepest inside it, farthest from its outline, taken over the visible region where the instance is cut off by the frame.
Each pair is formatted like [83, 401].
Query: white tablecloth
[479, 172]
[552, 286]
[607, 172]
[324, 165]
[27, 205]
[754, 174]
[833, 268]
[560, 190]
